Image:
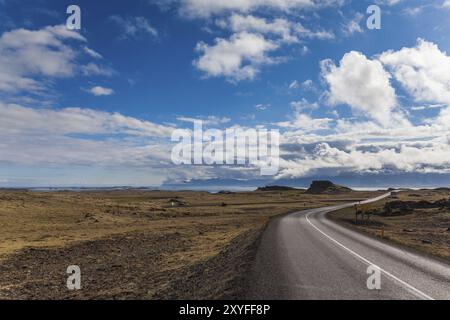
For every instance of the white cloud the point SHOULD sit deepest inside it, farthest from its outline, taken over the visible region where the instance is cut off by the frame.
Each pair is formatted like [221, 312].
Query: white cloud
[302, 105]
[94, 54]
[424, 71]
[417, 158]
[307, 85]
[446, 4]
[206, 8]
[238, 58]
[134, 27]
[208, 121]
[25, 54]
[36, 136]
[28, 58]
[388, 2]
[101, 91]
[287, 31]
[262, 107]
[431, 106]
[24, 121]
[305, 123]
[93, 69]
[355, 146]
[362, 84]
[294, 85]
[443, 120]
[241, 56]
[354, 25]
[414, 11]
[71, 138]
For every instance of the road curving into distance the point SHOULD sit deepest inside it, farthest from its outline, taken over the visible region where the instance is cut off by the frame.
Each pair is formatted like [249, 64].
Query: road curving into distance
[305, 256]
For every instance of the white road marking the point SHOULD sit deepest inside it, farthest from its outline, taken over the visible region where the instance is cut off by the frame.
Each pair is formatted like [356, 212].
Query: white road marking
[417, 291]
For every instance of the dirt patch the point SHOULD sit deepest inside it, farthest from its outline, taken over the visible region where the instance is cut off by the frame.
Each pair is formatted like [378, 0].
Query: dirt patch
[129, 267]
[221, 278]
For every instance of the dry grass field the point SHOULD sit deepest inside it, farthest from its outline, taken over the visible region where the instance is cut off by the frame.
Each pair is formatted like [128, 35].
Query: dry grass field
[137, 244]
[424, 229]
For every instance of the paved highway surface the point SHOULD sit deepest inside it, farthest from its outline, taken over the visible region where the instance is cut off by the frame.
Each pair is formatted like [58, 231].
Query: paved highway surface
[305, 256]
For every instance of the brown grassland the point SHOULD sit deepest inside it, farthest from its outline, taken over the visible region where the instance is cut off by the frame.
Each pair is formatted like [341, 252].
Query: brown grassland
[137, 244]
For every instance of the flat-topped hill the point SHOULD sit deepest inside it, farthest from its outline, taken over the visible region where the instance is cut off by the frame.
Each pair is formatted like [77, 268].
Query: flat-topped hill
[326, 187]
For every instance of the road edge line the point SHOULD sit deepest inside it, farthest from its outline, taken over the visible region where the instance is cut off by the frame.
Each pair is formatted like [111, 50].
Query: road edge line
[417, 291]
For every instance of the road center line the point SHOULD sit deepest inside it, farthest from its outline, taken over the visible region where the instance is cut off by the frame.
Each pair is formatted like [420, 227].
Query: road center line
[417, 291]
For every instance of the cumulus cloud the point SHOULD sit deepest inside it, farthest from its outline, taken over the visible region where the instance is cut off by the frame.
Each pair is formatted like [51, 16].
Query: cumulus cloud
[443, 120]
[242, 55]
[370, 146]
[238, 58]
[362, 84]
[363, 147]
[424, 71]
[426, 158]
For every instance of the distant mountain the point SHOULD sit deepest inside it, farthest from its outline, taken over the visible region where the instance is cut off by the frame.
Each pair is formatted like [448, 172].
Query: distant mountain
[326, 187]
[382, 181]
[278, 188]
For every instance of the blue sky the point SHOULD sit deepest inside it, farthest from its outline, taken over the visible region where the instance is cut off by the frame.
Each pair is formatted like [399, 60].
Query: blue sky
[96, 107]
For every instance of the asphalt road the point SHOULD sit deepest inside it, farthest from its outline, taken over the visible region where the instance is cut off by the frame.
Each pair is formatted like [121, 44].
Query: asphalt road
[305, 256]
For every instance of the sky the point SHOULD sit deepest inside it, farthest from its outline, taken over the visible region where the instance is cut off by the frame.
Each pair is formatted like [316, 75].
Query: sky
[98, 106]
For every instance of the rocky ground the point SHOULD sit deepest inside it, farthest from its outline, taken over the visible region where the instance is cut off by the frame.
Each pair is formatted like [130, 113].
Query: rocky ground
[128, 267]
